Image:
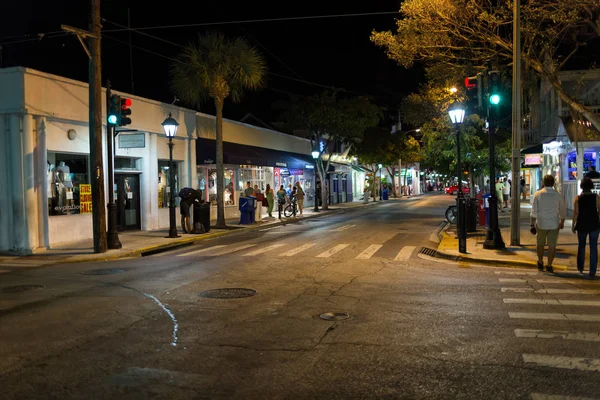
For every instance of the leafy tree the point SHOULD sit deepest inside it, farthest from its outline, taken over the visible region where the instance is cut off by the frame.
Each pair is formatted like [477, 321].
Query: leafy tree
[331, 119]
[473, 32]
[217, 68]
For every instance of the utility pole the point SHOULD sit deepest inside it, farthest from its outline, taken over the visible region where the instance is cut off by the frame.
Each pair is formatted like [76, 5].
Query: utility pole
[515, 211]
[96, 159]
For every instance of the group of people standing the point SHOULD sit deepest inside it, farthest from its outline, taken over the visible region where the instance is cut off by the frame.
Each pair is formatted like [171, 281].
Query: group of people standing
[294, 193]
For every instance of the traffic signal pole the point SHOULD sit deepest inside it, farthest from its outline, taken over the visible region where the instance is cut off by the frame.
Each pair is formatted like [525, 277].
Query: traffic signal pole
[112, 236]
[95, 130]
[515, 198]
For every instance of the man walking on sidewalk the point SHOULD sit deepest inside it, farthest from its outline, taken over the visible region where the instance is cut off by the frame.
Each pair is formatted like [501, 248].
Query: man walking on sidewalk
[548, 213]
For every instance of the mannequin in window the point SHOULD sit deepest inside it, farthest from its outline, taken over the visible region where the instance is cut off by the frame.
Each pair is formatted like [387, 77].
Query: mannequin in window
[64, 186]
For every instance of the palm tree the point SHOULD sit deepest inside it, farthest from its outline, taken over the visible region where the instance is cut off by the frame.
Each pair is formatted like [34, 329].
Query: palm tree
[217, 68]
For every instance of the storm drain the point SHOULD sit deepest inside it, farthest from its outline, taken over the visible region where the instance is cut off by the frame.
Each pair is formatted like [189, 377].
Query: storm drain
[20, 288]
[228, 293]
[428, 252]
[334, 316]
[105, 271]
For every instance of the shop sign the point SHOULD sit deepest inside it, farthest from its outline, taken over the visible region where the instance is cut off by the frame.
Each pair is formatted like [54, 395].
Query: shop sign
[555, 148]
[296, 171]
[280, 164]
[132, 141]
[533, 159]
[308, 166]
[209, 161]
[342, 169]
[284, 172]
[85, 198]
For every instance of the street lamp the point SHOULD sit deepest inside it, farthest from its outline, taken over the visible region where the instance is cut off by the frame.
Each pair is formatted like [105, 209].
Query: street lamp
[170, 128]
[380, 166]
[315, 156]
[457, 115]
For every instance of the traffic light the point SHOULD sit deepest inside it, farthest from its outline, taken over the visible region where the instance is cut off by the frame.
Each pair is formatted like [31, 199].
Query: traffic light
[495, 86]
[476, 83]
[114, 112]
[125, 111]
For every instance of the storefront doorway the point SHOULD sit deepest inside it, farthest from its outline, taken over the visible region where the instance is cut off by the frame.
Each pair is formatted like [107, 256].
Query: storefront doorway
[128, 201]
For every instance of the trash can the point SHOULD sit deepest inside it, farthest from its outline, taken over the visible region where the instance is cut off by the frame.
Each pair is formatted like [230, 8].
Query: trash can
[385, 194]
[472, 205]
[201, 217]
[246, 213]
[486, 205]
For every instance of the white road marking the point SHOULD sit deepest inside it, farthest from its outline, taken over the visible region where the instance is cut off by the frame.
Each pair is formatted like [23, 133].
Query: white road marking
[264, 250]
[511, 280]
[554, 302]
[171, 315]
[516, 289]
[333, 250]
[542, 334]
[342, 228]
[571, 281]
[555, 316]
[515, 273]
[232, 249]
[191, 253]
[369, 251]
[582, 364]
[297, 250]
[544, 396]
[405, 253]
[20, 265]
[283, 232]
[567, 291]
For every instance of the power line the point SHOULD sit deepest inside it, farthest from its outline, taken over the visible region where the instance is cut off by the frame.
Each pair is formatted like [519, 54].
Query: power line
[256, 21]
[39, 38]
[141, 33]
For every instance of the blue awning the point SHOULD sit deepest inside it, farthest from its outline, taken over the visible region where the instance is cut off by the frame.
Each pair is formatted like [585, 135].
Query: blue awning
[240, 154]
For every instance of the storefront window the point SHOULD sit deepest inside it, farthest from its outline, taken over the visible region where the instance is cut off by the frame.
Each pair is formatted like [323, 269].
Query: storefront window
[228, 193]
[164, 183]
[589, 159]
[69, 189]
[254, 175]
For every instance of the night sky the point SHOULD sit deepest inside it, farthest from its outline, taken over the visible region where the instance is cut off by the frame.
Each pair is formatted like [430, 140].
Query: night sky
[325, 51]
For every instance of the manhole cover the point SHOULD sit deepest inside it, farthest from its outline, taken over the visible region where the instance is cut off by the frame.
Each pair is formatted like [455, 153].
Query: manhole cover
[428, 252]
[334, 316]
[20, 288]
[108, 271]
[228, 293]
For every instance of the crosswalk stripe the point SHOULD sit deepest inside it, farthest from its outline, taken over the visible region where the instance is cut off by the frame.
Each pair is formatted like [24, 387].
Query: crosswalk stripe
[567, 291]
[516, 289]
[191, 253]
[405, 253]
[576, 281]
[542, 334]
[297, 250]
[264, 250]
[342, 228]
[369, 251]
[510, 280]
[232, 249]
[333, 250]
[556, 316]
[544, 396]
[554, 302]
[515, 273]
[582, 364]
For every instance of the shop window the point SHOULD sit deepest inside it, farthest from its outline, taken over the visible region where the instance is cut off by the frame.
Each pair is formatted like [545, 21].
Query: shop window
[589, 159]
[228, 193]
[69, 189]
[254, 175]
[164, 183]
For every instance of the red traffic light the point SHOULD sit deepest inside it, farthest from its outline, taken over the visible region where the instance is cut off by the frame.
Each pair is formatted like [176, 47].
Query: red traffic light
[125, 103]
[471, 82]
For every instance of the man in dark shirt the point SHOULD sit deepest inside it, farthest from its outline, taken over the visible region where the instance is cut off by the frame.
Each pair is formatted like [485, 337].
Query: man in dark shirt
[592, 173]
[185, 205]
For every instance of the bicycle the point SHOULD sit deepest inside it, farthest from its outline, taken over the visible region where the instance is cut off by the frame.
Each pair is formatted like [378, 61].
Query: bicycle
[451, 213]
[290, 209]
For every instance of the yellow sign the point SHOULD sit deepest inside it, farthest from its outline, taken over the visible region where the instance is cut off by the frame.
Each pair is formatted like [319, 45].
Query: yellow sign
[85, 198]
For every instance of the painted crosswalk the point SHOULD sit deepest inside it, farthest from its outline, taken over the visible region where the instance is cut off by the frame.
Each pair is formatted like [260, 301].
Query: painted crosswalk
[405, 253]
[566, 335]
[299, 249]
[546, 360]
[369, 251]
[265, 249]
[336, 249]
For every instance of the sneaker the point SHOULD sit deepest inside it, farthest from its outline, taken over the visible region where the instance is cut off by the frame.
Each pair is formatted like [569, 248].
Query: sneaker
[549, 269]
[540, 266]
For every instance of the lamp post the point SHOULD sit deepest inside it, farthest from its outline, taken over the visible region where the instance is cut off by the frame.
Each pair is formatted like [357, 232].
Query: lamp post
[379, 167]
[457, 115]
[315, 156]
[170, 128]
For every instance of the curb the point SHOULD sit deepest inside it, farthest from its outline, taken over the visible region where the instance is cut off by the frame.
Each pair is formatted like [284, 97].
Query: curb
[436, 236]
[195, 240]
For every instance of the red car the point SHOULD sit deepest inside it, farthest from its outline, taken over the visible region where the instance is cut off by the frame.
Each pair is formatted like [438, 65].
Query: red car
[453, 190]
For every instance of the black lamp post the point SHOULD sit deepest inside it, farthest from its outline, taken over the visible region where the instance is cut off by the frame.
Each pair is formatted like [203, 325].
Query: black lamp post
[380, 186]
[170, 127]
[457, 115]
[315, 156]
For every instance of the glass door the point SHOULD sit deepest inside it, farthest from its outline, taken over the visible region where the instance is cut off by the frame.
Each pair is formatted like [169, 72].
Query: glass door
[128, 202]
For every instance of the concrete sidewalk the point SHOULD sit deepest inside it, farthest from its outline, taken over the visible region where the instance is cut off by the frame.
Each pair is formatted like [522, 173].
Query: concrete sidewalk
[515, 256]
[139, 243]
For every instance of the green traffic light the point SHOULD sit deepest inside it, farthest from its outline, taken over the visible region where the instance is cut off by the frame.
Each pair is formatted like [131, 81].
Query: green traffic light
[112, 119]
[495, 99]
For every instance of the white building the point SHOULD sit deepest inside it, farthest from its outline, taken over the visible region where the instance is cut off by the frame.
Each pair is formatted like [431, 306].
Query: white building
[45, 172]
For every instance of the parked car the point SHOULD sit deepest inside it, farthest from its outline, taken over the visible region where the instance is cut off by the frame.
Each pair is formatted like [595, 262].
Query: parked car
[453, 190]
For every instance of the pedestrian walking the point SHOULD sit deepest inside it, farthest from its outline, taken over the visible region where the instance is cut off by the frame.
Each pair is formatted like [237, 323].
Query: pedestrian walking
[585, 222]
[522, 187]
[299, 197]
[499, 188]
[270, 200]
[281, 195]
[548, 213]
[506, 192]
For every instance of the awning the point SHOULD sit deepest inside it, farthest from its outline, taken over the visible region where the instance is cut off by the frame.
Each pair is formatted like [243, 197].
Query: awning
[537, 149]
[240, 154]
[339, 168]
[358, 168]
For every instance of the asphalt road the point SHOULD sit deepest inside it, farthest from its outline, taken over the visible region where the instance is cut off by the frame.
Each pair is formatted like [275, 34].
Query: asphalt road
[418, 328]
